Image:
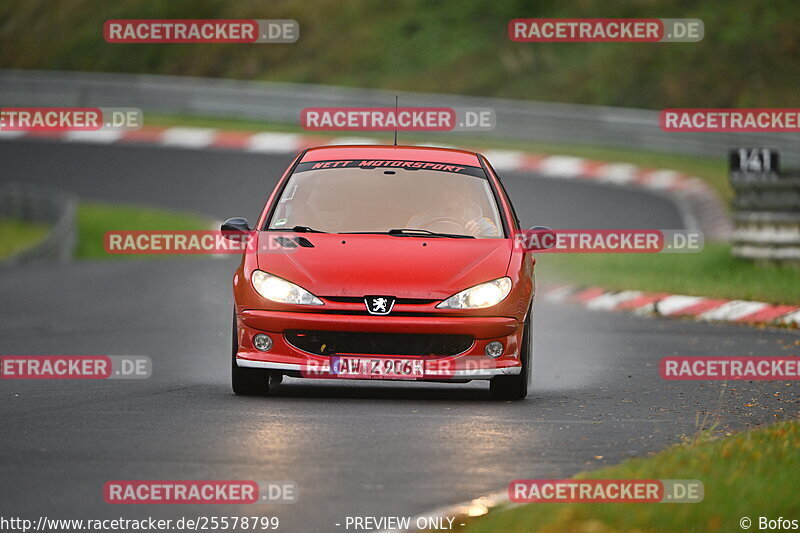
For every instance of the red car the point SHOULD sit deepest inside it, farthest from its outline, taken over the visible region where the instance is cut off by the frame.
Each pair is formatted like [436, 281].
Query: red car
[384, 262]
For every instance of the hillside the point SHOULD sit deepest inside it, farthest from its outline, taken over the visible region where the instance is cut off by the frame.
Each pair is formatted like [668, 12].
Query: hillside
[750, 55]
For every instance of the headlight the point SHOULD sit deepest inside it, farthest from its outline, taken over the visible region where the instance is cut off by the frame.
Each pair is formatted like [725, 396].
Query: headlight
[480, 296]
[279, 290]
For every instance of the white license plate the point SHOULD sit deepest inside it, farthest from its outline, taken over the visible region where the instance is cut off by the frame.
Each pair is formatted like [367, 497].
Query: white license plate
[346, 366]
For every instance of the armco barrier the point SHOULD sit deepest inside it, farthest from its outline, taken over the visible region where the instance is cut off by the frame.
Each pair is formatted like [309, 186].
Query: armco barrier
[40, 205]
[519, 120]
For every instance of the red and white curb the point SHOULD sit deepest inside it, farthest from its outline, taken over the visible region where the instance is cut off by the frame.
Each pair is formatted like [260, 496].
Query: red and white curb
[676, 305]
[699, 204]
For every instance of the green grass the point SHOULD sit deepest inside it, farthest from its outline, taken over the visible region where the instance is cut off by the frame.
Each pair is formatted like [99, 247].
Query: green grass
[713, 170]
[16, 235]
[95, 219]
[748, 474]
[712, 272]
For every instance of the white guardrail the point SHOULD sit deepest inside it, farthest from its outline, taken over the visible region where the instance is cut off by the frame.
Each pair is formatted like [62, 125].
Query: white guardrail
[519, 120]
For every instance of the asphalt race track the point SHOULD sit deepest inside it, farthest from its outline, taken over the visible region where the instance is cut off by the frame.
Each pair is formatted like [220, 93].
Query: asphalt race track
[354, 449]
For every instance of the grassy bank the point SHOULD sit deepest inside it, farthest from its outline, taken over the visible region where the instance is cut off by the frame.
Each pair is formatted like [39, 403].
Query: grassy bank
[95, 219]
[16, 235]
[745, 475]
[712, 272]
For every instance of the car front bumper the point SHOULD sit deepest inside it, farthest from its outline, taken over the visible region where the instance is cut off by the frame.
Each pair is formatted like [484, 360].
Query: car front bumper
[471, 363]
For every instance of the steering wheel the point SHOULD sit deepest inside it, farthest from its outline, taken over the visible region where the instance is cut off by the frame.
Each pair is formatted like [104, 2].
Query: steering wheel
[444, 221]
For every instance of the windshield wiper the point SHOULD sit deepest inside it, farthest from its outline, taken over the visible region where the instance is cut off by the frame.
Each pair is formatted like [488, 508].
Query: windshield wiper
[411, 232]
[305, 229]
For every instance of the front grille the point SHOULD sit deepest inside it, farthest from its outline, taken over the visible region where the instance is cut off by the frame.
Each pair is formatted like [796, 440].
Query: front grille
[345, 342]
[360, 300]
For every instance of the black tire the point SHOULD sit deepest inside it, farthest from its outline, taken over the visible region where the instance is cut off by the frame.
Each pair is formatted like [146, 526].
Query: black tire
[246, 381]
[513, 388]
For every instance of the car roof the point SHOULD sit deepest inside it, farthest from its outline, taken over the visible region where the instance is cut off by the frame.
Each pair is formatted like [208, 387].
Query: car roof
[402, 153]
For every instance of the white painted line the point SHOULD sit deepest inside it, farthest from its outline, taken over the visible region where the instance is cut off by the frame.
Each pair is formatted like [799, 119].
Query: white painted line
[274, 143]
[732, 311]
[677, 302]
[96, 137]
[504, 160]
[188, 137]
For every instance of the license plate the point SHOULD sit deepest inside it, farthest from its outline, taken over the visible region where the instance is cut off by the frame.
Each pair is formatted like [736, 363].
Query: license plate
[345, 366]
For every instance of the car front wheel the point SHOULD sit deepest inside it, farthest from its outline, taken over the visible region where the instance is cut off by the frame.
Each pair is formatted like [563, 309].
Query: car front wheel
[516, 387]
[246, 381]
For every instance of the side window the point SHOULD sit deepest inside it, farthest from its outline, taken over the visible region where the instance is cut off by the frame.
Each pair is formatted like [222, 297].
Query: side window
[504, 192]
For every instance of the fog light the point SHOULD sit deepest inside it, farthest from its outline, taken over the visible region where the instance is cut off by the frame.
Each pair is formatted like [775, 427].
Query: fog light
[262, 342]
[494, 349]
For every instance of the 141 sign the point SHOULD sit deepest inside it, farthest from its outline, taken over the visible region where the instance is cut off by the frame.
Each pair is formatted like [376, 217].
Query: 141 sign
[754, 161]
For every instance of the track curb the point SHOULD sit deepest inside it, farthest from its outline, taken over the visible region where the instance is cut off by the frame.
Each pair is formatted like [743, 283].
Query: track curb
[698, 308]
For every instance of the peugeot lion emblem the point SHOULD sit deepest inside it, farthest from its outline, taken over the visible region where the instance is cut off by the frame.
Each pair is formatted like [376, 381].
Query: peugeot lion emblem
[379, 305]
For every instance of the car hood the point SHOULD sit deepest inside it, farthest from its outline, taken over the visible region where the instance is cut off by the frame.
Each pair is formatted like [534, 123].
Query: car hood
[405, 267]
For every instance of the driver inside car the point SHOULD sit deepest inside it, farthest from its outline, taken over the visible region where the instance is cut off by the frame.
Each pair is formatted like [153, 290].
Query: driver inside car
[455, 207]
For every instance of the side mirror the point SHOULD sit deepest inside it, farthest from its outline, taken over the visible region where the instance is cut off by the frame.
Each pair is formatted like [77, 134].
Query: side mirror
[537, 238]
[235, 228]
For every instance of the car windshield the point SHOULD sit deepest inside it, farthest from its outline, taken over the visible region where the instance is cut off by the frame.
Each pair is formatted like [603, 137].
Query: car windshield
[363, 199]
